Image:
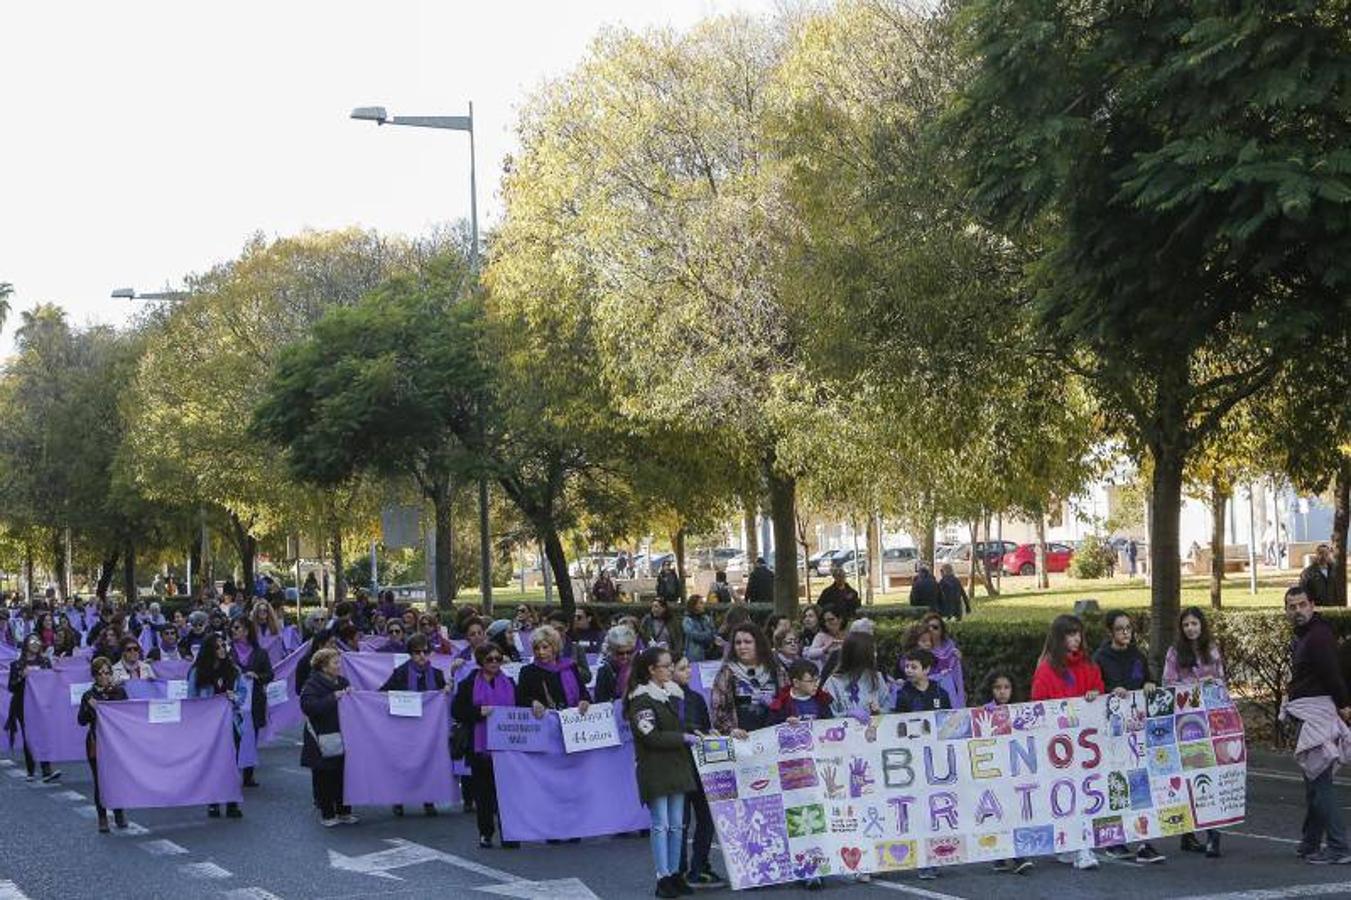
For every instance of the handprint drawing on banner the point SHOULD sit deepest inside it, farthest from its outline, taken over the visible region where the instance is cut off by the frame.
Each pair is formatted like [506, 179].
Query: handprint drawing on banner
[860, 779]
[830, 778]
[795, 737]
[754, 840]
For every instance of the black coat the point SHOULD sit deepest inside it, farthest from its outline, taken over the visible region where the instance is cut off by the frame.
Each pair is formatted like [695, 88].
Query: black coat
[668, 585]
[954, 601]
[760, 585]
[693, 711]
[88, 714]
[925, 592]
[260, 664]
[16, 691]
[319, 703]
[1315, 584]
[607, 683]
[547, 687]
[843, 601]
[398, 679]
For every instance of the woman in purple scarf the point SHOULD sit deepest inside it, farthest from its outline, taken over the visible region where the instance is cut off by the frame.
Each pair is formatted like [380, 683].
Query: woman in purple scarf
[932, 634]
[475, 699]
[551, 680]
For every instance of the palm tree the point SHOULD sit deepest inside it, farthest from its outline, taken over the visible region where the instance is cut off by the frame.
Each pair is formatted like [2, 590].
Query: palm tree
[6, 291]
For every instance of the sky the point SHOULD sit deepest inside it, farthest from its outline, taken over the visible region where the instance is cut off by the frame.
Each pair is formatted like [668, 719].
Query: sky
[144, 140]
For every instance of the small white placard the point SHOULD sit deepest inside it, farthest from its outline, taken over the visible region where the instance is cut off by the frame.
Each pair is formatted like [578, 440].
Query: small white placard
[276, 693]
[77, 691]
[512, 670]
[400, 659]
[592, 731]
[165, 711]
[176, 689]
[405, 703]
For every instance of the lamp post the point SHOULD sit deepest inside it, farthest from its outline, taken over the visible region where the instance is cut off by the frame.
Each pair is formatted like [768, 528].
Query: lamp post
[380, 116]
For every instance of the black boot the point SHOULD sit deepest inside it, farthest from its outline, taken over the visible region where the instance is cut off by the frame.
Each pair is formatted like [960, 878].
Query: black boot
[232, 811]
[1191, 845]
[429, 809]
[666, 889]
[103, 822]
[213, 810]
[1213, 844]
[120, 818]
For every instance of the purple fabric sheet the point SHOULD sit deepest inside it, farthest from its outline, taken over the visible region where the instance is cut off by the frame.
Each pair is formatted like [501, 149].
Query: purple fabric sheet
[547, 795]
[285, 715]
[50, 725]
[185, 763]
[395, 759]
[171, 669]
[5, 745]
[367, 671]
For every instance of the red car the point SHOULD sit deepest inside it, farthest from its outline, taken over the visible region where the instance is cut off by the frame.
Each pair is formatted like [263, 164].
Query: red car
[1023, 560]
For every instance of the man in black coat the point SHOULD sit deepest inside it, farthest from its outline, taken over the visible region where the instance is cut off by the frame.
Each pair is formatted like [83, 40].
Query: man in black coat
[1316, 577]
[760, 583]
[668, 583]
[924, 591]
[953, 601]
[840, 597]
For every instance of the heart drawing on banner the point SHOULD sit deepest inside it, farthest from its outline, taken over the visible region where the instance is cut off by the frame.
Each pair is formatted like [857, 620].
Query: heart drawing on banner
[852, 856]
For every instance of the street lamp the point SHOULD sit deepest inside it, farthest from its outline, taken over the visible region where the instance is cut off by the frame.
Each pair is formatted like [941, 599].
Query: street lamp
[380, 116]
[131, 294]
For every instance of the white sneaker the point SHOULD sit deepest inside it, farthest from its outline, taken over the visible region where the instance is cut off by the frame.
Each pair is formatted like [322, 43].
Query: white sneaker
[329, 822]
[348, 819]
[1066, 858]
[1085, 859]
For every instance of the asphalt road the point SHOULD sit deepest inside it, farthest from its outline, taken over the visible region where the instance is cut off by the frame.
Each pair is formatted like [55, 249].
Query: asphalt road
[52, 850]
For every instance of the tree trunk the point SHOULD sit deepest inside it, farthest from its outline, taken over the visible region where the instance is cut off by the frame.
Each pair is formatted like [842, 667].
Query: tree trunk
[129, 571]
[1341, 520]
[1218, 499]
[106, 571]
[28, 572]
[1043, 577]
[783, 511]
[990, 589]
[976, 561]
[59, 561]
[195, 555]
[339, 577]
[247, 545]
[1165, 505]
[874, 537]
[678, 548]
[443, 510]
[928, 542]
[558, 564]
[752, 536]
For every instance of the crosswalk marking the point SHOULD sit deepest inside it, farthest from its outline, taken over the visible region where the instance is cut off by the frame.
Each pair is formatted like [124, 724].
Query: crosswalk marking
[10, 891]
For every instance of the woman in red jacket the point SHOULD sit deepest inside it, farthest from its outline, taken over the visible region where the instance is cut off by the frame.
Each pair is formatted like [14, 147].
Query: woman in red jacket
[1066, 671]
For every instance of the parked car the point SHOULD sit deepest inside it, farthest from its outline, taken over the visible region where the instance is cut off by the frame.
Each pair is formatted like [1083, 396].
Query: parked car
[845, 559]
[899, 561]
[991, 553]
[814, 561]
[712, 558]
[1022, 560]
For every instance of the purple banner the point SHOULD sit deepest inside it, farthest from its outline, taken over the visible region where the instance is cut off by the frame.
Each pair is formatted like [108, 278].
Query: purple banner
[5, 696]
[515, 728]
[547, 795]
[395, 759]
[172, 669]
[273, 646]
[368, 671]
[140, 689]
[49, 716]
[72, 664]
[185, 763]
[283, 704]
[8, 653]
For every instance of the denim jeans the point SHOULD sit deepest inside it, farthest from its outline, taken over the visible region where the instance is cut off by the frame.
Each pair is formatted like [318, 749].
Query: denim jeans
[668, 832]
[1322, 814]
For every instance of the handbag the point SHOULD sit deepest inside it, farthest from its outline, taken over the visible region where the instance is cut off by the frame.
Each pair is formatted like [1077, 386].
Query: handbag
[461, 740]
[330, 745]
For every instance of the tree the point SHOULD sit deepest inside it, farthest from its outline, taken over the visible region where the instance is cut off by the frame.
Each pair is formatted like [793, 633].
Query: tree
[386, 386]
[6, 291]
[1160, 158]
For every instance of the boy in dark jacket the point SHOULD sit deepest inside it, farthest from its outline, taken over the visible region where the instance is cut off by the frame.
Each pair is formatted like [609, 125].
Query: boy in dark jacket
[1124, 669]
[802, 698]
[919, 694]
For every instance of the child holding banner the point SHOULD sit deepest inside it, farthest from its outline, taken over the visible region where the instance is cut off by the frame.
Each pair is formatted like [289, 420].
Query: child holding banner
[1063, 672]
[694, 718]
[997, 691]
[1192, 660]
[664, 772]
[856, 687]
[105, 687]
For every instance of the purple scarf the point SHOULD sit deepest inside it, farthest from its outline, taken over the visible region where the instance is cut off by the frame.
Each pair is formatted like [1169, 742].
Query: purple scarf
[499, 692]
[566, 670]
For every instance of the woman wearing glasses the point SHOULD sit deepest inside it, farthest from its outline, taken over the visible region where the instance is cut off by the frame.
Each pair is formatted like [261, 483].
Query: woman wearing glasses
[418, 674]
[612, 675]
[551, 680]
[395, 642]
[475, 699]
[255, 667]
[129, 665]
[105, 687]
[788, 645]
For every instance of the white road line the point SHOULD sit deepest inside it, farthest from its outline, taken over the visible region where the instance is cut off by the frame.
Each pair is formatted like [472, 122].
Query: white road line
[88, 812]
[205, 870]
[10, 891]
[6, 763]
[132, 830]
[1288, 776]
[68, 795]
[162, 848]
[16, 773]
[1260, 837]
[1303, 890]
[250, 893]
[914, 891]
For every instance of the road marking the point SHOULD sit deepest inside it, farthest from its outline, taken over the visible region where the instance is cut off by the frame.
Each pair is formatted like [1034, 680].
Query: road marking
[132, 830]
[16, 773]
[88, 812]
[250, 893]
[914, 891]
[68, 795]
[161, 848]
[1261, 837]
[1274, 775]
[1303, 890]
[403, 853]
[205, 870]
[559, 889]
[10, 891]
[6, 763]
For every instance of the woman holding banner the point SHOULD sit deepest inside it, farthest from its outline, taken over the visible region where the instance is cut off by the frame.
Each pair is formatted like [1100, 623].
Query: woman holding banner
[747, 682]
[551, 680]
[475, 699]
[417, 674]
[322, 752]
[254, 665]
[1064, 672]
[665, 774]
[31, 658]
[612, 675]
[105, 687]
[214, 674]
[129, 665]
